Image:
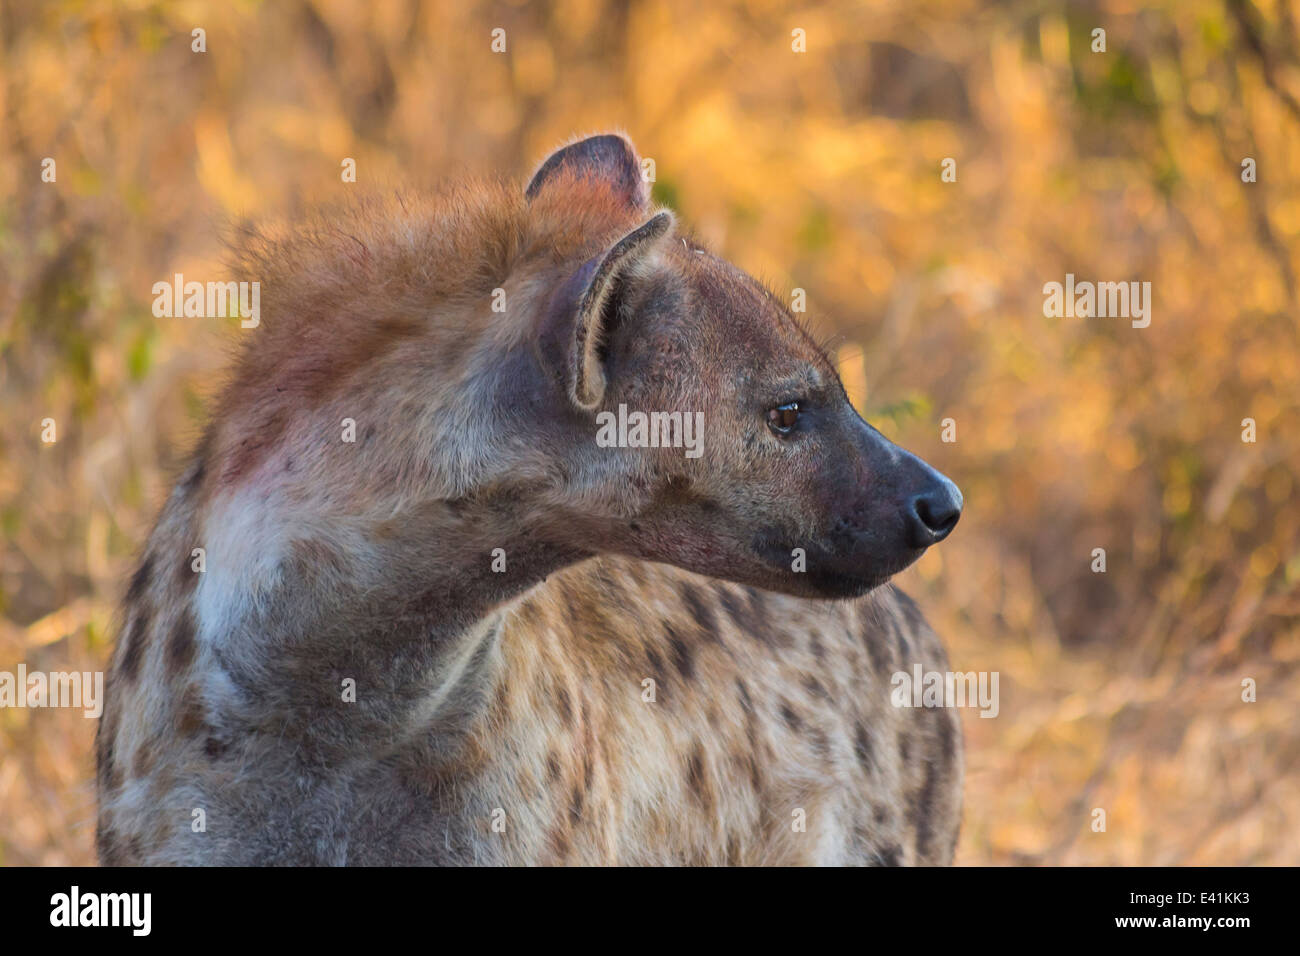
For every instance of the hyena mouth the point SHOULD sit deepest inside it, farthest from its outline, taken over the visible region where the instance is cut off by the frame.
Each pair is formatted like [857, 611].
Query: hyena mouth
[848, 567]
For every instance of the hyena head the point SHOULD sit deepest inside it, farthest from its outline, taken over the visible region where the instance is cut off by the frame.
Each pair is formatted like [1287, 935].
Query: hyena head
[770, 477]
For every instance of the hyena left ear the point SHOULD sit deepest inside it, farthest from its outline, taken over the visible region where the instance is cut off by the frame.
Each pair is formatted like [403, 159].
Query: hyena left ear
[574, 339]
[609, 161]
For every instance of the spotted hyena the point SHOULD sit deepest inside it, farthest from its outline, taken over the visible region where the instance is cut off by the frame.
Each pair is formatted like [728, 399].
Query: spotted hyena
[436, 618]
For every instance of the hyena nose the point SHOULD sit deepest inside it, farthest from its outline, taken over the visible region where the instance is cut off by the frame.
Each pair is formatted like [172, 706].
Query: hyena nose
[932, 514]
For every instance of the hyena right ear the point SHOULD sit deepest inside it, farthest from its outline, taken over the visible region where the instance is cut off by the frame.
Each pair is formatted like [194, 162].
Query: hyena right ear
[609, 161]
[588, 306]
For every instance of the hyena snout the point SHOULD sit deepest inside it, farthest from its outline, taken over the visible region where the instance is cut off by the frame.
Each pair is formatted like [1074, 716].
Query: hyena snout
[931, 513]
[886, 507]
[900, 505]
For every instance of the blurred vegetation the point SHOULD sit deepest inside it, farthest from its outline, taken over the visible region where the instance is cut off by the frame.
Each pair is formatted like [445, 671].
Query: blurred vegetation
[819, 171]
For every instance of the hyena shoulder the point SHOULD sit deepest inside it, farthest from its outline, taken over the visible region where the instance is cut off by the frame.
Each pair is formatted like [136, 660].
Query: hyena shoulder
[718, 723]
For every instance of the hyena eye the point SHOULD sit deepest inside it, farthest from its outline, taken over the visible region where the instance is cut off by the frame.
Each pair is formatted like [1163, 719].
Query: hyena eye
[782, 418]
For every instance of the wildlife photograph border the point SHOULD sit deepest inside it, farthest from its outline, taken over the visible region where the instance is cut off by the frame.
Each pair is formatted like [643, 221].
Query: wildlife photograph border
[637, 433]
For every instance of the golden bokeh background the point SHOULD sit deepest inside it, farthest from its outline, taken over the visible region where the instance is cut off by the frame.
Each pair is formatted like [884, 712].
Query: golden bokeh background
[817, 170]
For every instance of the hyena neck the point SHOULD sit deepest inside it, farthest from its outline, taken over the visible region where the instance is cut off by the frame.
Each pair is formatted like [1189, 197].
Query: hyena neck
[334, 566]
[371, 465]
[343, 640]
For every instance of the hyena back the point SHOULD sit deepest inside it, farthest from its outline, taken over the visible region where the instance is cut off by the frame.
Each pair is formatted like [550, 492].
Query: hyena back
[434, 620]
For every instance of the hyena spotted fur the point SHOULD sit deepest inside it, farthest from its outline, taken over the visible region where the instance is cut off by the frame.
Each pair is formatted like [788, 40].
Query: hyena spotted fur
[508, 716]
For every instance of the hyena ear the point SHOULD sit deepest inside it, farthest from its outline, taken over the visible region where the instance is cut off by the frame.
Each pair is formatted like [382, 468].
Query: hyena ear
[609, 160]
[589, 306]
